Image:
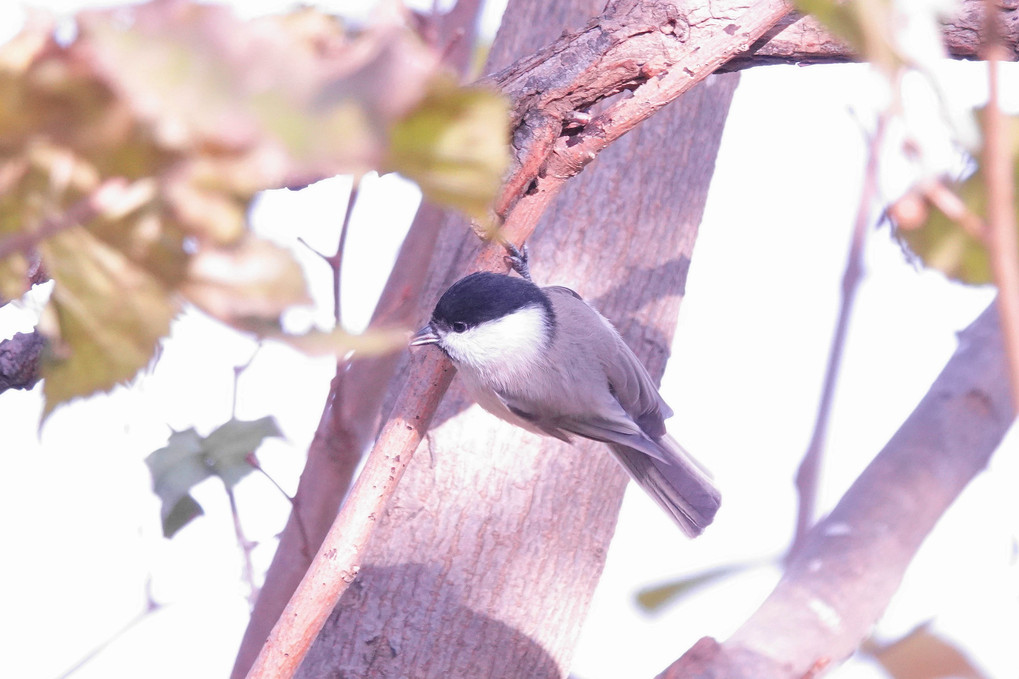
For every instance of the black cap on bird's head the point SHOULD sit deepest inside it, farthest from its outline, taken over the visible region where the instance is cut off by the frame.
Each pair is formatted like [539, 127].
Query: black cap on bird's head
[478, 298]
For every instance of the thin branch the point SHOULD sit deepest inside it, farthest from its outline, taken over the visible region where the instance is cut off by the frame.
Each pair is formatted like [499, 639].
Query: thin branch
[336, 261]
[1003, 246]
[253, 461]
[850, 564]
[248, 573]
[336, 564]
[151, 606]
[809, 471]
[238, 371]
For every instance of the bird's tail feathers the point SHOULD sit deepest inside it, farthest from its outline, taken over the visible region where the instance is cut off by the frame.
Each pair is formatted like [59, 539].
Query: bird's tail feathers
[679, 485]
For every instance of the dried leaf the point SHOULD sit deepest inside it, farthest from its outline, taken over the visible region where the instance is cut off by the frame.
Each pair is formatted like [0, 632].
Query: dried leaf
[254, 280]
[111, 314]
[923, 655]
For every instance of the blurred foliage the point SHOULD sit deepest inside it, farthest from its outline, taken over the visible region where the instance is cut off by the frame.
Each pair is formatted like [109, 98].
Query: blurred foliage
[188, 459]
[942, 244]
[129, 158]
[876, 30]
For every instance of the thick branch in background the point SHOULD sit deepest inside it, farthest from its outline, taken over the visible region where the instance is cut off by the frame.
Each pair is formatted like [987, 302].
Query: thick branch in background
[840, 581]
[799, 39]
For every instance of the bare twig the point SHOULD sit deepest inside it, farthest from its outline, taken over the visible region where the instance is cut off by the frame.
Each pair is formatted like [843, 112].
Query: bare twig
[807, 475]
[248, 572]
[151, 606]
[246, 546]
[238, 371]
[336, 261]
[850, 564]
[1003, 246]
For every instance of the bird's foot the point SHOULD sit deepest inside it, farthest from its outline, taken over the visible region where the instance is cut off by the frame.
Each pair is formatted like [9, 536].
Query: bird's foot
[517, 259]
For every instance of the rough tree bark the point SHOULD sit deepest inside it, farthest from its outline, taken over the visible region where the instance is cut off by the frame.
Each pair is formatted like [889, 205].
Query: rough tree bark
[486, 559]
[802, 40]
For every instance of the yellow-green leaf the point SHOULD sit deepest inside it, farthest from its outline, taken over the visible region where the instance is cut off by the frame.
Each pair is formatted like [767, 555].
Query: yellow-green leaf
[110, 314]
[455, 145]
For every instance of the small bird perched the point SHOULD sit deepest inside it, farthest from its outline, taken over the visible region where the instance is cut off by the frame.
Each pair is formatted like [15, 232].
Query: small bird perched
[545, 360]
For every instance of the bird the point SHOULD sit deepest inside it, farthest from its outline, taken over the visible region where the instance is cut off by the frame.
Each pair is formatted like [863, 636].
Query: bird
[545, 360]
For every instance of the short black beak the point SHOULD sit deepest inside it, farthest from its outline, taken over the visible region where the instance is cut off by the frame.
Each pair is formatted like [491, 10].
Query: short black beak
[425, 335]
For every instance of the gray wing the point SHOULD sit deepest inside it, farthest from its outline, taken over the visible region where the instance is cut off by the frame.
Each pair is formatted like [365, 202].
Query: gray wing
[612, 397]
[629, 384]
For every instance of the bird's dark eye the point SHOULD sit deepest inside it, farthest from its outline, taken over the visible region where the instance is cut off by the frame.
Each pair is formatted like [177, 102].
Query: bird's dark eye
[459, 326]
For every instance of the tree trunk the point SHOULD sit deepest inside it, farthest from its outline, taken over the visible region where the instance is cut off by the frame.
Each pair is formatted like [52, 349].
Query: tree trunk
[486, 560]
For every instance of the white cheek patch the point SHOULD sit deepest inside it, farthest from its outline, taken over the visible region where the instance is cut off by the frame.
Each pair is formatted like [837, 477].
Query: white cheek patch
[510, 344]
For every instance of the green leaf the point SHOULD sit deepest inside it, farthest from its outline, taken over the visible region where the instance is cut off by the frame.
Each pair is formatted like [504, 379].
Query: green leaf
[110, 315]
[176, 469]
[654, 598]
[455, 145]
[188, 459]
[182, 513]
[227, 448]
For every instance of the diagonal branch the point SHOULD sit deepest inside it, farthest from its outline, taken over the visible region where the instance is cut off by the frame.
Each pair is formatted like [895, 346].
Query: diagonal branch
[653, 50]
[841, 579]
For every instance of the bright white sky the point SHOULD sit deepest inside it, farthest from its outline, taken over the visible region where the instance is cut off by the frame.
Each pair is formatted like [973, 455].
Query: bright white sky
[82, 526]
